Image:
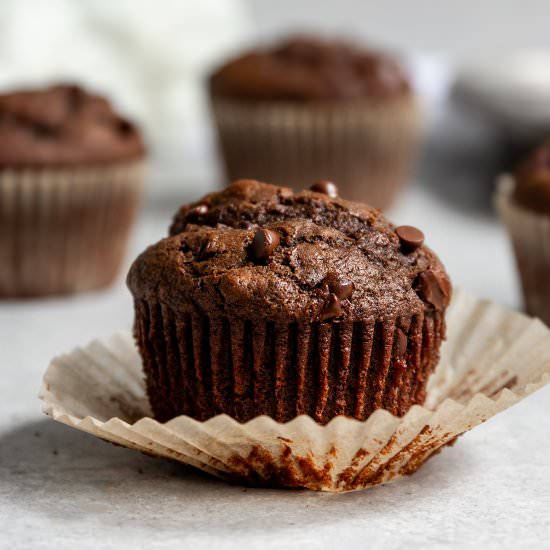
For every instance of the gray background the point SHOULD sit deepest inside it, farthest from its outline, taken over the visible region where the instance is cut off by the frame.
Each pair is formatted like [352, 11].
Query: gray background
[456, 28]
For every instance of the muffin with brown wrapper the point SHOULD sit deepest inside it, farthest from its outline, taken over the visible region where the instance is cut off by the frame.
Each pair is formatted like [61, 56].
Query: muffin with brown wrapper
[263, 301]
[70, 178]
[523, 201]
[310, 109]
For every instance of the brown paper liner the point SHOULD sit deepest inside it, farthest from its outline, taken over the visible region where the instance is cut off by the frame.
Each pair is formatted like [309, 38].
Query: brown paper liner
[203, 366]
[530, 235]
[492, 359]
[65, 230]
[366, 149]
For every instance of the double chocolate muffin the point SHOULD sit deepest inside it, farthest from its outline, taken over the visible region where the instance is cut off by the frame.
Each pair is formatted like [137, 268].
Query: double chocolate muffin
[310, 109]
[524, 206]
[263, 301]
[70, 179]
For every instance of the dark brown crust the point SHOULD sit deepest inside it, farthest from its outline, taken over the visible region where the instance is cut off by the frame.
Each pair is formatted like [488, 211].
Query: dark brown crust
[206, 268]
[202, 366]
[63, 126]
[309, 69]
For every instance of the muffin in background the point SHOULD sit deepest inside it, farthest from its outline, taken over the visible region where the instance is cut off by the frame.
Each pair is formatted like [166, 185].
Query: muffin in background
[523, 201]
[263, 301]
[71, 171]
[311, 109]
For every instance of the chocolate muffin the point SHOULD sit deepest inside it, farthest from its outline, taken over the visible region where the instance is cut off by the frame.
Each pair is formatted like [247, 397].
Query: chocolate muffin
[70, 180]
[524, 205]
[311, 109]
[263, 301]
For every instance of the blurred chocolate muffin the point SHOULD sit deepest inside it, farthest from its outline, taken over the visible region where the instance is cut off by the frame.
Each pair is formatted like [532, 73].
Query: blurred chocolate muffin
[311, 109]
[524, 205]
[532, 176]
[70, 179]
[263, 301]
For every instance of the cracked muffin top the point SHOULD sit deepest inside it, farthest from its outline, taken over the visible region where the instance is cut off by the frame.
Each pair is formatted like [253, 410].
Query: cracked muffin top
[258, 251]
[304, 68]
[62, 126]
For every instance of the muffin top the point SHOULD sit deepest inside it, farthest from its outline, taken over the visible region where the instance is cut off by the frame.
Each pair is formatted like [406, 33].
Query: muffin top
[63, 125]
[532, 176]
[258, 251]
[309, 69]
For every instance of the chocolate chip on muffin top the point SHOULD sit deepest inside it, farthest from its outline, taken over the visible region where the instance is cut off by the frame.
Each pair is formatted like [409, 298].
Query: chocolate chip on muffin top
[63, 125]
[256, 250]
[305, 68]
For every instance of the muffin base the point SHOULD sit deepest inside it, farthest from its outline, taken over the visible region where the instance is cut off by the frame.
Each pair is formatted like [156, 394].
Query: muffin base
[65, 230]
[366, 148]
[529, 232]
[201, 366]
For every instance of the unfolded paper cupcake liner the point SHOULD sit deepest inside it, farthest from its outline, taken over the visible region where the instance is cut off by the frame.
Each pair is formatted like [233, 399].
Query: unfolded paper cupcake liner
[65, 230]
[365, 149]
[202, 366]
[530, 236]
[493, 358]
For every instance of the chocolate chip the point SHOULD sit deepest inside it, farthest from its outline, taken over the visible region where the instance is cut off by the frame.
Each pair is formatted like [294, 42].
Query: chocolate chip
[340, 286]
[433, 288]
[410, 238]
[333, 308]
[197, 211]
[400, 342]
[244, 224]
[264, 243]
[325, 187]
[125, 127]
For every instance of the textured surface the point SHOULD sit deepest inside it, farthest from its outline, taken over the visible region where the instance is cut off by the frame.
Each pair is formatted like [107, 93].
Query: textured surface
[61, 488]
[63, 125]
[310, 69]
[207, 266]
[203, 366]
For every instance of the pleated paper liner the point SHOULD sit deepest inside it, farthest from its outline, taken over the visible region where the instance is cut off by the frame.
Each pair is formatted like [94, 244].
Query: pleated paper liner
[65, 230]
[365, 148]
[492, 359]
[530, 235]
[201, 366]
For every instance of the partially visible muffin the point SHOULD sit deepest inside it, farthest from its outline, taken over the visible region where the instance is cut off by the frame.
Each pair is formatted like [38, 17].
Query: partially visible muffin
[524, 205]
[310, 109]
[263, 301]
[532, 176]
[70, 179]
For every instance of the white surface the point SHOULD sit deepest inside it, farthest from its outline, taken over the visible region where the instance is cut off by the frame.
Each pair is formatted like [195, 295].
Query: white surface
[63, 489]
